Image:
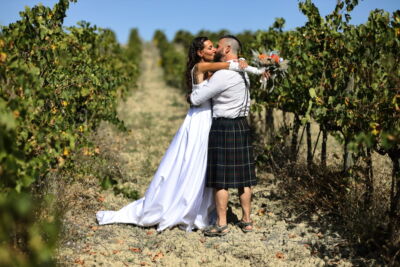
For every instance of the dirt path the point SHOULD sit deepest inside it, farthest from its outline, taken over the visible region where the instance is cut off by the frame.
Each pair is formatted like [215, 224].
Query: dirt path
[153, 113]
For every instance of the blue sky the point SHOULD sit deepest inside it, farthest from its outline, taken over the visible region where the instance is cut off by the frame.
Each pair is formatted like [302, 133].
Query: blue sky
[171, 16]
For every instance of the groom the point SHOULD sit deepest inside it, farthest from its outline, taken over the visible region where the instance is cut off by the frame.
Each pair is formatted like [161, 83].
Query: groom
[230, 152]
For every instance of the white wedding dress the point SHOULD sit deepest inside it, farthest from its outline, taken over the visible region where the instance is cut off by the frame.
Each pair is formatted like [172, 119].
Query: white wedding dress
[177, 194]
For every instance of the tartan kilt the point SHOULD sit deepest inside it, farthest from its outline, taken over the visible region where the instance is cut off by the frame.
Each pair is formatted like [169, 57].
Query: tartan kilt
[230, 161]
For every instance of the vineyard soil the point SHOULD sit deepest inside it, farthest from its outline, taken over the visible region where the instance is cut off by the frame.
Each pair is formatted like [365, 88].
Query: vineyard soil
[153, 113]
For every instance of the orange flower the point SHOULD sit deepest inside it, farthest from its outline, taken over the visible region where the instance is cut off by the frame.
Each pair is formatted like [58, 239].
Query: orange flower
[262, 56]
[275, 58]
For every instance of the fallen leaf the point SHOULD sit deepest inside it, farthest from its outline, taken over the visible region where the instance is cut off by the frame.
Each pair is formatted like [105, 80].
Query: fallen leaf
[79, 261]
[292, 235]
[159, 255]
[137, 250]
[280, 255]
[94, 228]
[120, 241]
[202, 240]
[149, 232]
[320, 235]
[261, 212]
[115, 251]
[334, 262]
[143, 263]
[92, 253]
[101, 198]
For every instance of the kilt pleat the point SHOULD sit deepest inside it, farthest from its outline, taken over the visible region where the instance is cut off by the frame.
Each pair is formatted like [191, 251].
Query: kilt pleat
[230, 161]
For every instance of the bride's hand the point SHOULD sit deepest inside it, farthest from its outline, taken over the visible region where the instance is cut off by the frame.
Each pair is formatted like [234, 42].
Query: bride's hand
[266, 74]
[243, 63]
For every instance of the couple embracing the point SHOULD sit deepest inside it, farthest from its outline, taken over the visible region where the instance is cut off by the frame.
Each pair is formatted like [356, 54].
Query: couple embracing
[210, 153]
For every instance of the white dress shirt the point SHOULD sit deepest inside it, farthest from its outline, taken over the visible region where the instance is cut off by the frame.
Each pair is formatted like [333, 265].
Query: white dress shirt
[229, 93]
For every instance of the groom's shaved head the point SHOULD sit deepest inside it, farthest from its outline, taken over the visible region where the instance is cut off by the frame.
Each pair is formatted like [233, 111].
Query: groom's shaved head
[228, 48]
[233, 42]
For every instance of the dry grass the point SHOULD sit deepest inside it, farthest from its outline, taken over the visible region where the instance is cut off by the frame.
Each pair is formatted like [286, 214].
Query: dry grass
[328, 193]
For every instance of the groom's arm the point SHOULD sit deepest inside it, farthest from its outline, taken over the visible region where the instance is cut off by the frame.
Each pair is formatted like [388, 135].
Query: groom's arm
[219, 82]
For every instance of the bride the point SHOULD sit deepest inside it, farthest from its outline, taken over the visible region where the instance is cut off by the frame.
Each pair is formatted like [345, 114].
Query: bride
[177, 194]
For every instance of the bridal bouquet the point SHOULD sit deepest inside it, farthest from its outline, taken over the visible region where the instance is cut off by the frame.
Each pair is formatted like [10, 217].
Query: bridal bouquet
[273, 63]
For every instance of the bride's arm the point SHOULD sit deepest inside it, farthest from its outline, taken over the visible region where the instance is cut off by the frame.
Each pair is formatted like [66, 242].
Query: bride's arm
[204, 67]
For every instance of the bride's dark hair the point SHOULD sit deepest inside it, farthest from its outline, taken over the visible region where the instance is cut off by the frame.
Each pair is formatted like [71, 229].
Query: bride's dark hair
[196, 45]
